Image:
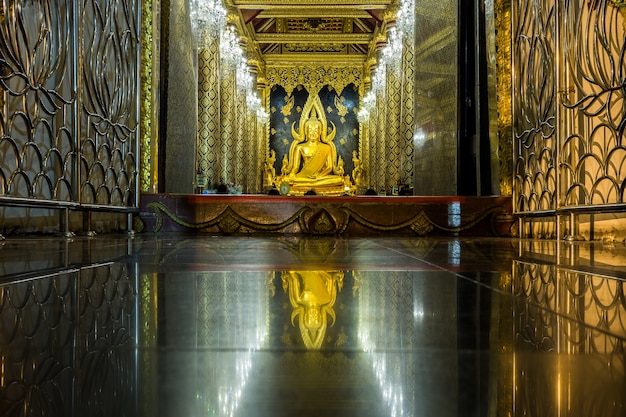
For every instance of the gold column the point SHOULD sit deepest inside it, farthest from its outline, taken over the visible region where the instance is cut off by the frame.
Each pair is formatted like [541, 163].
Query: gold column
[372, 161]
[227, 126]
[365, 143]
[148, 375]
[251, 156]
[182, 101]
[208, 111]
[149, 118]
[263, 133]
[364, 152]
[392, 104]
[503, 74]
[407, 102]
[380, 158]
[240, 138]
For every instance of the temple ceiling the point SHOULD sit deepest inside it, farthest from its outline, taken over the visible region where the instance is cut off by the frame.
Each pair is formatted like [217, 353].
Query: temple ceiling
[282, 31]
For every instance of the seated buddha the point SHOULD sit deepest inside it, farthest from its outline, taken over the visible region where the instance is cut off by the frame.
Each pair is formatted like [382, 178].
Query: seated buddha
[313, 163]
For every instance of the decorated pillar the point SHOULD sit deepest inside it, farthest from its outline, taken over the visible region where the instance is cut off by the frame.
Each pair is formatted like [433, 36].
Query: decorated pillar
[228, 113]
[380, 159]
[407, 101]
[150, 79]
[393, 123]
[180, 101]
[208, 112]
[251, 156]
[502, 18]
[240, 138]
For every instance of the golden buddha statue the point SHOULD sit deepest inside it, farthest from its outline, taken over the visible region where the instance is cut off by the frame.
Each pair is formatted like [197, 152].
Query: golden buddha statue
[312, 163]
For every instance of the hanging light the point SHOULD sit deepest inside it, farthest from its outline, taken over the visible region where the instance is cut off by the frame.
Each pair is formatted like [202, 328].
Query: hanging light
[363, 115]
[253, 101]
[230, 51]
[369, 101]
[244, 79]
[262, 116]
[379, 77]
[392, 52]
[367, 106]
[406, 18]
[208, 17]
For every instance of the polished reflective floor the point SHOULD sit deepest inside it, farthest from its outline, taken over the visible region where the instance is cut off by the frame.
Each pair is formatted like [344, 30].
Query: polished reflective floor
[188, 326]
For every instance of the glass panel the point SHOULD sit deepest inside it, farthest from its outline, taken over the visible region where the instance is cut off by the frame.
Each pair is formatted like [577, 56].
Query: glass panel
[435, 141]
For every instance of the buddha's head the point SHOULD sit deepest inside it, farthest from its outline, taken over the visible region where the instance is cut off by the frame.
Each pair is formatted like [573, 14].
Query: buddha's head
[313, 127]
[312, 317]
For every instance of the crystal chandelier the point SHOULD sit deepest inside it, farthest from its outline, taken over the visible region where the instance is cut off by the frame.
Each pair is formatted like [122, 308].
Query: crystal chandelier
[406, 18]
[363, 115]
[379, 78]
[262, 116]
[392, 52]
[208, 17]
[230, 51]
[390, 57]
[367, 106]
[244, 79]
[232, 58]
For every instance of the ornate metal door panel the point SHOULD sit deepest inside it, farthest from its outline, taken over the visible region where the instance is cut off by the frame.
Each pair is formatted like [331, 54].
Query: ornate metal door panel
[110, 98]
[534, 53]
[38, 78]
[69, 104]
[569, 115]
[592, 156]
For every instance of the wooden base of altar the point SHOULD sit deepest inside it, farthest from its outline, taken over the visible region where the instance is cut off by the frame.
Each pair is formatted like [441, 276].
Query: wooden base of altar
[315, 215]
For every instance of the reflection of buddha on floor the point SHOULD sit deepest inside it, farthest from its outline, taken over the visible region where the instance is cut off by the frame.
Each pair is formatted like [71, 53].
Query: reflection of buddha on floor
[312, 295]
[313, 163]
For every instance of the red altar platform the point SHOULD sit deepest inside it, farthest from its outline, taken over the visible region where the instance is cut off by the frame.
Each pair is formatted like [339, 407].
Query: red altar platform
[320, 215]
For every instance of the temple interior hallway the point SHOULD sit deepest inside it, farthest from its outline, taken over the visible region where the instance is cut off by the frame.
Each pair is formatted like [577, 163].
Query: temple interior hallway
[175, 325]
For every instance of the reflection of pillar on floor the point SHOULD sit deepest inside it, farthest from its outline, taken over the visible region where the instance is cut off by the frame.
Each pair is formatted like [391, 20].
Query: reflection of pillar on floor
[436, 330]
[148, 365]
[181, 101]
[179, 395]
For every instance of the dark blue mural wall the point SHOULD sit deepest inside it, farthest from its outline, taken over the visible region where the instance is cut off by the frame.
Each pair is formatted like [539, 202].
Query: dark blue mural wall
[340, 108]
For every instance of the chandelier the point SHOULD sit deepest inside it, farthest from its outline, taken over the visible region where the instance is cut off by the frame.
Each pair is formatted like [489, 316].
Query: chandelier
[406, 18]
[390, 58]
[232, 58]
[367, 106]
[230, 51]
[392, 52]
[208, 17]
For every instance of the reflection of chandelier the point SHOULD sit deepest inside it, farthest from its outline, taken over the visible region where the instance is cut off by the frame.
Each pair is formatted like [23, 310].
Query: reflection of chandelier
[208, 17]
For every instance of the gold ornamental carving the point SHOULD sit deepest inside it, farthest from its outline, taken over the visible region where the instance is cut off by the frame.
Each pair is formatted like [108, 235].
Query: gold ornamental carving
[337, 220]
[313, 78]
[149, 120]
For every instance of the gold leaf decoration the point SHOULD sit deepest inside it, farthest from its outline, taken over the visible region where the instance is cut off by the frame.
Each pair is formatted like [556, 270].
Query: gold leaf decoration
[341, 109]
